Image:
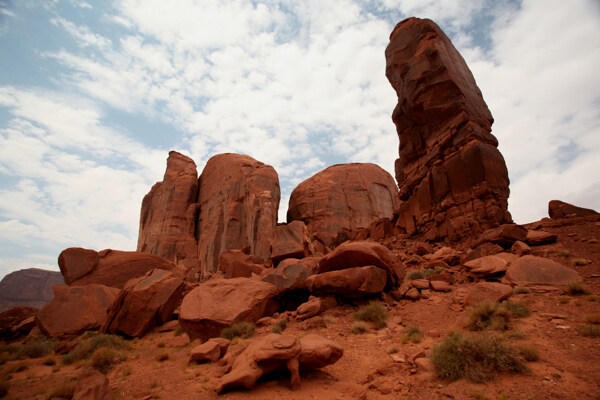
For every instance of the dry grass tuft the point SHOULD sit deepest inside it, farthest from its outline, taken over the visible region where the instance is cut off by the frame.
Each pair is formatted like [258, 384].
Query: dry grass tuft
[488, 314]
[588, 330]
[359, 327]
[529, 352]
[239, 329]
[577, 288]
[412, 334]
[374, 312]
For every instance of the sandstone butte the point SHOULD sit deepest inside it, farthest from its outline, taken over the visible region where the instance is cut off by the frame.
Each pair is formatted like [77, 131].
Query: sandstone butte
[453, 182]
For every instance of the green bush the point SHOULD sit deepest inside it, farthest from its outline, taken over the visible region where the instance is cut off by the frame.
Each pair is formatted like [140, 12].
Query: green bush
[478, 358]
[280, 326]
[412, 334]
[373, 312]
[86, 348]
[239, 329]
[577, 288]
[488, 314]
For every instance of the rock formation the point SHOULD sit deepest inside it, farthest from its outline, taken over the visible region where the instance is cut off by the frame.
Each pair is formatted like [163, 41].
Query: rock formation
[452, 179]
[239, 199]
[560, 209]
[28, 287]
[109, 267]
[169, 212]
[343, 196]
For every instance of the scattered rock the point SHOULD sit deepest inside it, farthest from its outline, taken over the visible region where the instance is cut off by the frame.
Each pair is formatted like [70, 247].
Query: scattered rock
[217, 304]
[169, 212]
[144, 303]
[318, 352]
[480, 291]
[168, 326]
[490, 265]
[536, 238]
[76, 309]
[412, 294]
[238, 199]
[559, 209]
[530, 271]
[422, 248]
[290, 241]
[12, 318]
[354, 282]
[440, 286]
[315, 306]
[521, 249]
[210, 351]
[343, 196]
[91, 385]
[486, 249]
[315, 322]
[237, 264]
[289, 274]
[420, 283]
[504, 235]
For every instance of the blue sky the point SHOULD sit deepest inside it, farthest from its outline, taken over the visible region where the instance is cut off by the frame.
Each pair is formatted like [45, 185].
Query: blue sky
[93, 95]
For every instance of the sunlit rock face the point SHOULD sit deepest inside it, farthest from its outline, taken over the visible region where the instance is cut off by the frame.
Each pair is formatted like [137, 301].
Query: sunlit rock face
[453, 182]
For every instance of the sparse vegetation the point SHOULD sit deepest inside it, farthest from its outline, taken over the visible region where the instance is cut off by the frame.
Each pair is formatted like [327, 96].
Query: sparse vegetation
[580, 262]
[104, 358]
[565, 253]
[126, 370]
[85, 349]
[488, 314]
[593, 297]
[280, 326]
[359, 327]
[63, 391]
[592, 319]
[563, 299]
[329, 319]
[518, 309]
[577, 288]
[161, 344]
[49, 361]
[420, 274]
[478, 358]
[178, 331]
[239, 329]
[588, 330]
[479, 395]
[374, 312]
[391, 350]
[162, 356]
[529, 352]
[515, 334]
[413, 334]
[37, 348]
[521, 290]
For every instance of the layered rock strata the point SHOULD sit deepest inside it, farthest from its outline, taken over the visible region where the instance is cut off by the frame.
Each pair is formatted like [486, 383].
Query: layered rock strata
[169, 212]
[453, 181]
[343, 196]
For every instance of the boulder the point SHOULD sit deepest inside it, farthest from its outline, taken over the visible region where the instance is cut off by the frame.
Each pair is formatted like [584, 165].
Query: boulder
[504, 235]
[560, 209]
[169, 212]
[381, 229]
[354, 282]
[30, 287]
[239, 199]
[76, 309]
[537, 238]
[440, 286]
[11, 319]
[490, 265]
[453, 182]
[343, 196]
[217, 304]
[318, 352]
[520, 249]
[77, 262]
[91, 385]
[359, 254]
[113, 267]
[144, 303]
[471, 294]
[289, 274]
[290, 241]
[315, 306]
[532, 271]
[486, 249]
[236, 264]
[210, 351]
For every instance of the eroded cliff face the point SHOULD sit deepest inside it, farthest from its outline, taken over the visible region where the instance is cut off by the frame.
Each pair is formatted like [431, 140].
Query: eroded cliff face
[169, 212]
[343, 196]
[238, 199]
[452, 180]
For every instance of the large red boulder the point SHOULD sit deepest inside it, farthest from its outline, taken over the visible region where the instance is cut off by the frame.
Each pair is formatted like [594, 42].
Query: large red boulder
[220, 303]
[538, 271]
[111, 267]
[239, 199]
[169, 212]
[360, 254]
[236, 264]
[343, 196]
[144, 303]
[453, 181]
[503, 235]
[76, 309]
[289, 274]
[560, 209]
[290, 241]
[354, 282]
[30, 287]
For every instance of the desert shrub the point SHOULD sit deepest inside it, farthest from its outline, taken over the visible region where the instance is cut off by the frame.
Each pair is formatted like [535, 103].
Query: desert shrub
[488, 314]
[580, 262]
[359, 327]
[577, 288]
[591, 297]
[391, 350]
[529, 352]
[563, 299]
[515, 334]
[588, 330]
[239, 329]
[49, 361]
[521, 290]
[412, 334]
[4, 387]
[479, 395]
[161, 344]
[37, 348]
[478, 358]
[564, 253]
[373, 312]
[88, 334]
[433, 271]
[592, 319]
[518, 309]
[86, 348]
[329, 319]
[163, 356]
[280, 326]
[63, 391]
[104, 358]
[417, 274]
[126, 370]
[178, 331]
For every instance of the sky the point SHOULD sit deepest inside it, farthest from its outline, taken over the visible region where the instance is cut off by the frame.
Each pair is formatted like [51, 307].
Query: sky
[93, 96]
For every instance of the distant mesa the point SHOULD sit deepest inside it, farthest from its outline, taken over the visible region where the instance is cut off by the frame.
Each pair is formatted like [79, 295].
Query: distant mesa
[559, 209]
[28, 287]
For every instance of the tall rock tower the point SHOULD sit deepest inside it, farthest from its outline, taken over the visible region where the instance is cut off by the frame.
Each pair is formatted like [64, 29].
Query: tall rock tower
[453, 182]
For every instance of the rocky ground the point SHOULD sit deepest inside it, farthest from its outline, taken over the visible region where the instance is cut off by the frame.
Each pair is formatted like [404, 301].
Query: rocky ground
[377, 364]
